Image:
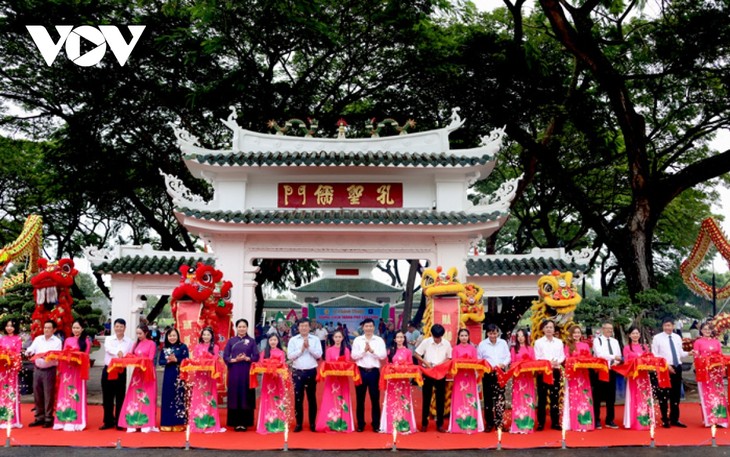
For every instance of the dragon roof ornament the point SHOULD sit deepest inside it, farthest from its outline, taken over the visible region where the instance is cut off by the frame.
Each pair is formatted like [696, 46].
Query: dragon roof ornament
[181, 195]
[501, 199]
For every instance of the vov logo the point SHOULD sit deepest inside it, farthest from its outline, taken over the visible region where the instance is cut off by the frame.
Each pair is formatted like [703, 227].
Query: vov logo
[71, 37]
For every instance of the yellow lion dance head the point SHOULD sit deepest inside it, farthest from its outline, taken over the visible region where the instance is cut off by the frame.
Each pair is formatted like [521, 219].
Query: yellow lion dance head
[557, 299]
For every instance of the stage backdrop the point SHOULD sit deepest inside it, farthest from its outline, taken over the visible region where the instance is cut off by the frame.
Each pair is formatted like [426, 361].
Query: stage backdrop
[350, 316]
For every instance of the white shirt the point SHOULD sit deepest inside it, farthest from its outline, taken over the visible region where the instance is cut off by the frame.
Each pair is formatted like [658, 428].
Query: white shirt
[41, 345]
[367, 359]
[496, 354]
[549, 350]
[321, 333]
[603, 346]
[660, 347]
[113, 345]
[434, 353]
[304, 359]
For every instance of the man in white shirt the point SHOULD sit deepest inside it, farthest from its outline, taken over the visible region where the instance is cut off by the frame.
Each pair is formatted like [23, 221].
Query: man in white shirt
[304, 350]
[549, 348]
[321, 333]
[434, 351]
[606, 347]
[113, 391]
[368, 351]
[495, 351]
[44, 375]
[668, 345]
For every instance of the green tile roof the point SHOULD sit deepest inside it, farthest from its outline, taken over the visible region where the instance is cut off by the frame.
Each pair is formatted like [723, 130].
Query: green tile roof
[344, 286]
[148, 265]
[348, 301]
[343, 216]
[509, 267]
[282, 304]
[305, 159]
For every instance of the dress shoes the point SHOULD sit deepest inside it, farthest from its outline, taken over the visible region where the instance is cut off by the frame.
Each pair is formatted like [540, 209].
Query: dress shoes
[440, 429]
[48, 425]
[556, 427]
[665, 424]
[106, 427]
[597, 426]
[312, 428]
[424, 428]
[540, 427]
[297, 429]
[679, 424]
[611, 425]
[121, 429]
[36, 424]
[360, 429]
[488, 428]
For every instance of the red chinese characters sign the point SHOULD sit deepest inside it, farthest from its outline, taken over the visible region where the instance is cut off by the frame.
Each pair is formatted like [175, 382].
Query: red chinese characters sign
[340, 195]
[446, 313]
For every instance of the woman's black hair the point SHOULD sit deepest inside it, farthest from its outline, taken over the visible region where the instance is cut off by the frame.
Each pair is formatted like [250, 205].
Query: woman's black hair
[345, 343]
[267, 351]
[394, 347]
[16, 325]
[84, 336]
[468, 335]
[212, 338]
[167, 339]
[631, 343]
[241, 320]
[145, 330]
[517, 339]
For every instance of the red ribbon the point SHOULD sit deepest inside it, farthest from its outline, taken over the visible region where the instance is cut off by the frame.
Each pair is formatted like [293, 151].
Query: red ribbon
[645, 362]
[339, 368]
[480, 366]
[70, 356]
[705, 364]
[543, 367]
[210, 364]
[119, 364]
[268, 366]
[437, 372]
[583, 361]
[400, 371]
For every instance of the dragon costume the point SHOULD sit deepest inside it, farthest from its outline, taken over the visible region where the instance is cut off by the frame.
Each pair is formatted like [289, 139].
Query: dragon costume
[26, 247]
[557, 299]
[52, 293]
[204, 285]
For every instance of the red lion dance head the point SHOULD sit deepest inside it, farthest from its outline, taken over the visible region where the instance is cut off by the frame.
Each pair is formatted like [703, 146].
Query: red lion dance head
[52, 293]
[202, 300]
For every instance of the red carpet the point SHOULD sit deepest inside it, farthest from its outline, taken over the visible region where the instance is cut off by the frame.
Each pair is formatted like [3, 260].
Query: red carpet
[694, 435]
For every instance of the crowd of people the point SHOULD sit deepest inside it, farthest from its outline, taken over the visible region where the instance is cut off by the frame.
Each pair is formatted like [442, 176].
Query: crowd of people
[569, 380]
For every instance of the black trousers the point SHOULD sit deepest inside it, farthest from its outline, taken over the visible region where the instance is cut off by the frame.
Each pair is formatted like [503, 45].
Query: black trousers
[545, 390]
[493, 400]
[238, 417]
[603, 391]
[429, 385]
[305, 382]
[370, 383]
[44, 393]
[672, 396]
[112, 394]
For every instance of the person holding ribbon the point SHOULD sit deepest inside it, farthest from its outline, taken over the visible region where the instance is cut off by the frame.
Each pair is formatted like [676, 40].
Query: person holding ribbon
[113, 390]
[44, 374]
[202, 377]
[139, 410]
[398, 400]
[71, 407]
[368, 351]
[639, 398]
[523, 386]
[710, 379]
[549, 348]
[11, 346]
[335, 412]
[173, 406]
[606, 347]
[577, 398]
[466, 409]
[304, 351]
[668, 345]
[434, 355]
[495, 351]
[240, 352]
[275, 405]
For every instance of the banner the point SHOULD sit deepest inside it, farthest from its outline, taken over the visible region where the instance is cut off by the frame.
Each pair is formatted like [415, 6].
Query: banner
[446, 313]
[188, 313]
[340, 195]
[351, 317]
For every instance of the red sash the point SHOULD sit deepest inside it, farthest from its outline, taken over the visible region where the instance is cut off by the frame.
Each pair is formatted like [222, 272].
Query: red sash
[645, 362]
[586, 362]
[543, 367]
[268, 366]
[78, 358]
[339, 368]
[119, 364]
[399, 371]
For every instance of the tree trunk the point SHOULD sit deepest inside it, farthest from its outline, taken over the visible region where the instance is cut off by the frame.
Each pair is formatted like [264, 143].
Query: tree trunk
[157, 309]
[414, 267]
